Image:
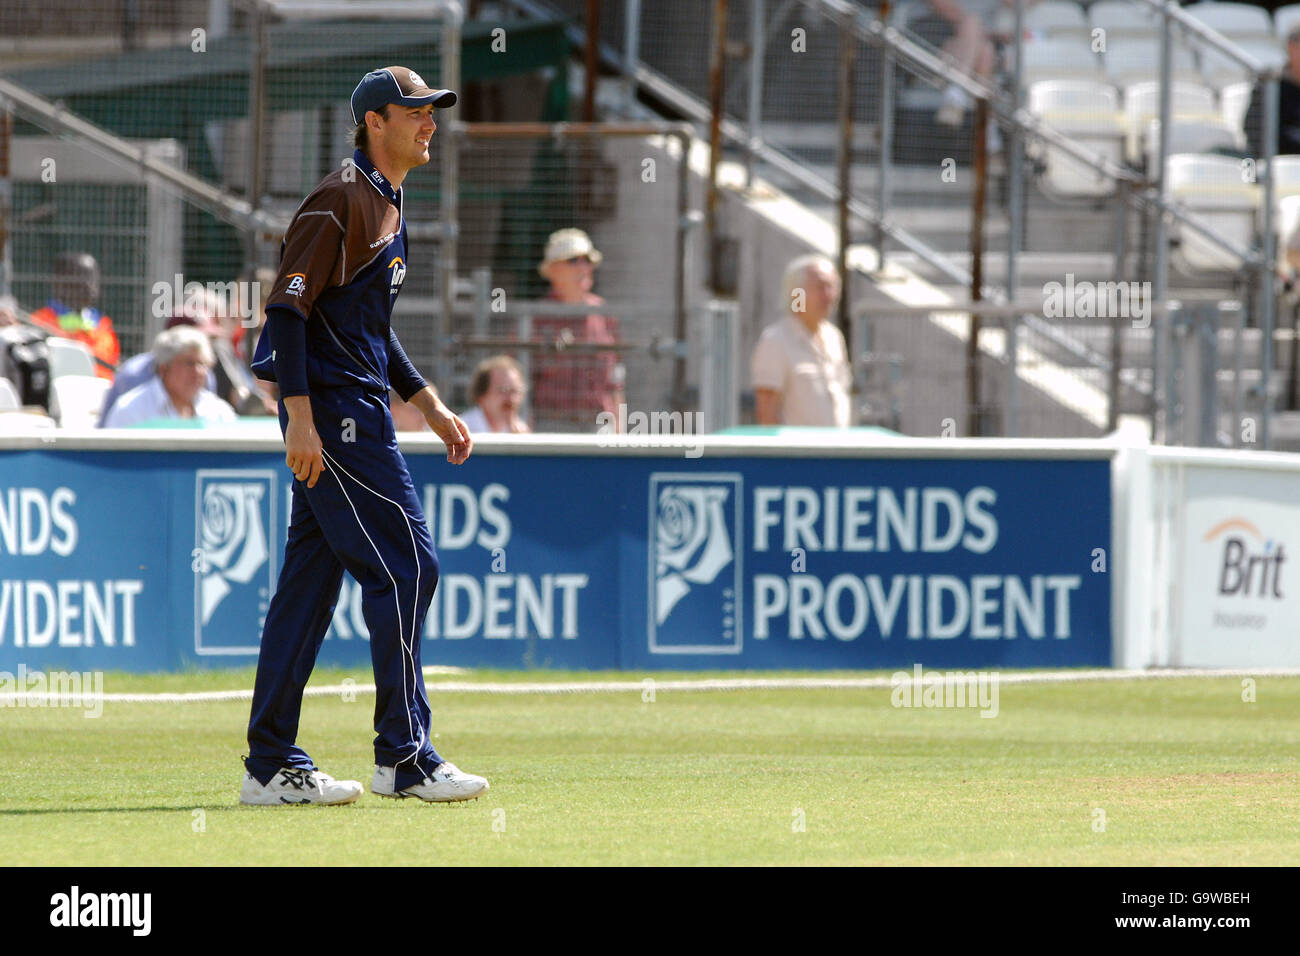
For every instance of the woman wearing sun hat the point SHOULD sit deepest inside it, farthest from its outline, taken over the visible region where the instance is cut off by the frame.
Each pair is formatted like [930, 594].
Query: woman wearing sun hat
[575, 388]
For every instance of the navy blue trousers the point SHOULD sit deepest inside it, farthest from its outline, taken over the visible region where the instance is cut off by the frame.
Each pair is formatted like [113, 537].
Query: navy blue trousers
[363, 516]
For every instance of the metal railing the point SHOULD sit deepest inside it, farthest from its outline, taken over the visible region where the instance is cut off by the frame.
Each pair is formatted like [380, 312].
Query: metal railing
[769, 81]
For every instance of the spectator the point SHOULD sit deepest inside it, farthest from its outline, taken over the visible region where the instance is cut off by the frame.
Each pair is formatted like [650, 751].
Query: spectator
[8, 311]
[183, 359]
[964, 35]
[800, 365]
[236, 383]
[139, 369]
[1288, 105]
[580, 386]
[498, 391]
[250, 311]
[71, 311]
[406, 417]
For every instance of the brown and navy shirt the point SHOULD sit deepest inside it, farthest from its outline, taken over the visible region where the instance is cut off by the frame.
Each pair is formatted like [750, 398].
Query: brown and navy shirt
[342, 264]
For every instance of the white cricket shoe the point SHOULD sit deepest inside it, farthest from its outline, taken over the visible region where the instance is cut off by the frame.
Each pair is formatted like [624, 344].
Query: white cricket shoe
[299, 786]
[447, 784]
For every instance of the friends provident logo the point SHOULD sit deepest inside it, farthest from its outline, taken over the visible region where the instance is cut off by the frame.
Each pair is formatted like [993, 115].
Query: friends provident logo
[233, 571]
[695, 577]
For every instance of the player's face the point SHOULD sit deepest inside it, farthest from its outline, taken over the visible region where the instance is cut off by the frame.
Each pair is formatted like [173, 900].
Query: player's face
[408, 132]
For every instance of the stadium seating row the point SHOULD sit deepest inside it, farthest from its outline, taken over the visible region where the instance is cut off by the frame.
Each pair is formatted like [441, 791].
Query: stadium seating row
[1066, 43]
[1125, 127]
[1057, 18]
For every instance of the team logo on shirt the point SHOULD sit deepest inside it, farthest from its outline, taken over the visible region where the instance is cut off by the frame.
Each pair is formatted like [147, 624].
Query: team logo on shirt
[399, 275]
[234, 573]
[695, 584]
[297, 284]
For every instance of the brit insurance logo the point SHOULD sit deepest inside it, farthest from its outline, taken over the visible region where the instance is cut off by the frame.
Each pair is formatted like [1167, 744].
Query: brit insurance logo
[1250, 578]
[234, 573]
[399, 275]
[1251, 565]
[695, 563]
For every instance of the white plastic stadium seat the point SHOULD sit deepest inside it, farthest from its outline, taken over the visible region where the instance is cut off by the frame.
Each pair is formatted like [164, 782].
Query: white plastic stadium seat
[1233, 20]
[1284, 18]
[1070, 96]
[76, 400]
[1132, 59]
[1212, 189]
[1123, 16]
[1286, 176]
[1142, 104]
[1234, 103]
[9, 400]
[1192, 135]
[1142, 100]
[1086, 112]
[69, 358]
[1220, 69]
[18, 423]
[1287, 222]
[1058, 19]
[1059, 60]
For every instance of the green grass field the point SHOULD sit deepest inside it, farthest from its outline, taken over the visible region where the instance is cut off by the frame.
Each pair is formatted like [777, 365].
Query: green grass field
[1184, 770]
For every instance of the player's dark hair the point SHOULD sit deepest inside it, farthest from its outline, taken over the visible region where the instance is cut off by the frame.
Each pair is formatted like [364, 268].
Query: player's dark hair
[361, 135]
[482, 379]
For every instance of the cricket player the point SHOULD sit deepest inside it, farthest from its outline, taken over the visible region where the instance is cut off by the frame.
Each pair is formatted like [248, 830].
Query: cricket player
[329, 344]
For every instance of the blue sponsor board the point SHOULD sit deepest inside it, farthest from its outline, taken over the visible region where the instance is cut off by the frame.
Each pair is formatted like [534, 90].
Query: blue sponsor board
[153, 560]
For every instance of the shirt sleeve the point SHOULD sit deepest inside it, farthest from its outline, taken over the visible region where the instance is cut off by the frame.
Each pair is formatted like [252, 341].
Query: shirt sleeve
[287, 335]
[313, 259]
[768, 364]
[403, 377]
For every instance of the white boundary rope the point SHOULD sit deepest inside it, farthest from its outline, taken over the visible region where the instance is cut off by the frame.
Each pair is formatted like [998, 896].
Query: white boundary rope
[645, 683]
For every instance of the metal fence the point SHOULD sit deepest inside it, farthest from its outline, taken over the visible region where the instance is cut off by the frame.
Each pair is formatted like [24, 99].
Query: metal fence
[935, 170]
[626, 186]
[175, 152]
[172, 142]
[951, 160]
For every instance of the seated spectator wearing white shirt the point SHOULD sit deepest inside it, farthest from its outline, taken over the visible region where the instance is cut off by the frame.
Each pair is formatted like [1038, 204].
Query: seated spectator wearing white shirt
[498, 392]
[182, 357]
[800, 365]
[139, 369]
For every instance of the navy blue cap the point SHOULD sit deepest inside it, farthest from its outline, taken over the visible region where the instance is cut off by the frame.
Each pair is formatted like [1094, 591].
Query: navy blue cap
[395, 84]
